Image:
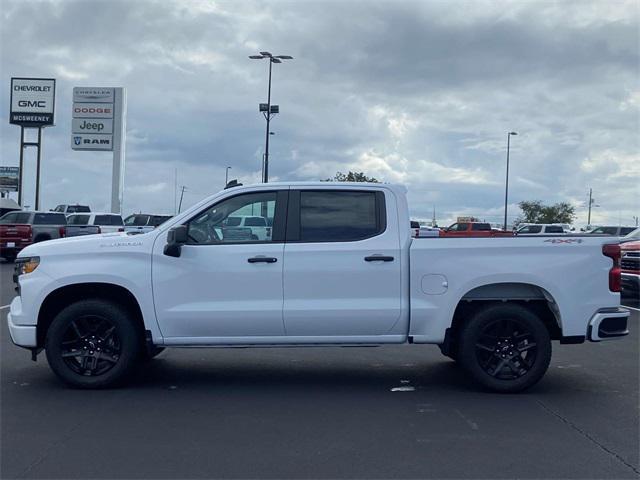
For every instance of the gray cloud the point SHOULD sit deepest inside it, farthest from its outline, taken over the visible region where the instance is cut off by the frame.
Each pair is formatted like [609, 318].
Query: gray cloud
[416, 92]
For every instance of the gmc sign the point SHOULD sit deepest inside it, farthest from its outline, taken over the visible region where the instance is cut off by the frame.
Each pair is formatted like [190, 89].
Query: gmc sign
[32, 101]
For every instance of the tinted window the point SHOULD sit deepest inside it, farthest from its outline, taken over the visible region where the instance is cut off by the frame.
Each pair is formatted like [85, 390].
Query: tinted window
[554, 229]
[337, 216]
[219, 224]
[59, 208]
[459, 227]
[157, 220]
[78, 219]
[49, 219]
[633, 235]
[23, 217]
[483, 227]
[77, 208]
[102, 220]
[233, 222]
[9, 218]
[255, 222]
[137, 220]
[606, 230]
[531, 229]
[626, 231]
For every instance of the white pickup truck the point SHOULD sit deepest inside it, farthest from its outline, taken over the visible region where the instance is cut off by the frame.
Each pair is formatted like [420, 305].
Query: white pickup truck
[340, 268]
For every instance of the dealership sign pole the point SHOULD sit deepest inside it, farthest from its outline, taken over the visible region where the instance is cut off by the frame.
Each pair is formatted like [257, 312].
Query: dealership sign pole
[32, 106]
[99, 123]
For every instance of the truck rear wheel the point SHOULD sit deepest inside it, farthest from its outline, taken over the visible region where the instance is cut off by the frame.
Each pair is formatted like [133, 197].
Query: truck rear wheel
[505, 348]
[92, 344]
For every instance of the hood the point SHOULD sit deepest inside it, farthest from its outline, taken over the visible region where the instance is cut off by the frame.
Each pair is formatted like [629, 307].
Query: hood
[91, 244]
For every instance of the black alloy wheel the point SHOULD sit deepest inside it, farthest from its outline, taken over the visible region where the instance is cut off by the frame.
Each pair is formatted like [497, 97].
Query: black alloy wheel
[506, 349]
[91, 346]
[94, 343]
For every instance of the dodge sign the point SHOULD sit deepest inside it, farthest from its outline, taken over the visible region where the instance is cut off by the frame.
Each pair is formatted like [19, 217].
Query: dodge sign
[32, 101]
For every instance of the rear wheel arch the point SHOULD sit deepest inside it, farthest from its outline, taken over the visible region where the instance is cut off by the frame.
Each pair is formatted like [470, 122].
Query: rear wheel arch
[532, 297]
[64, 296]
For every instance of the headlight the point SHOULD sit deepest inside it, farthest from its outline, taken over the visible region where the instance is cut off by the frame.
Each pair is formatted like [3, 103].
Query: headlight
[26, 265]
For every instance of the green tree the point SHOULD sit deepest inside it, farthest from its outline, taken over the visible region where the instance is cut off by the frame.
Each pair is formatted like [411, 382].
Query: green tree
[536, 212]
[352, 177]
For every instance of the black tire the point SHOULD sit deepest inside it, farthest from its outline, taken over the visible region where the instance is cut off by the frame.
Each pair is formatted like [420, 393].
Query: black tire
[92, 344]
[505, 348]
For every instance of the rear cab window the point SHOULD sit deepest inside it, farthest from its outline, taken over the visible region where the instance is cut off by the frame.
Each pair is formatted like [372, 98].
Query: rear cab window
[49, 219]
[78, 219]
[337, 216]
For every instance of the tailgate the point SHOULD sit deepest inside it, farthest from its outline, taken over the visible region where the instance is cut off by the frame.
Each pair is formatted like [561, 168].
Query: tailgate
[12, 233]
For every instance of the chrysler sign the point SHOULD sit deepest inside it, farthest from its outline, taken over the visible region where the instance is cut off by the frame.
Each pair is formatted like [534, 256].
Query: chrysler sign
[32, 101]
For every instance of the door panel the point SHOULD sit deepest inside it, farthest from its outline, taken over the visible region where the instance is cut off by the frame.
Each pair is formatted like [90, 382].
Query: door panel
[226, 282]
[329, 287]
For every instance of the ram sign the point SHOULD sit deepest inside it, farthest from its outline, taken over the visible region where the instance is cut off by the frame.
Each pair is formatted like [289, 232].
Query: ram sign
[32, 101]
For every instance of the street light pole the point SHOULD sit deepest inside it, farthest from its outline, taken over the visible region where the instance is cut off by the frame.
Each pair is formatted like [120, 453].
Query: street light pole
[226, 176]
[266, 145]
[506, 188]
[269, 111]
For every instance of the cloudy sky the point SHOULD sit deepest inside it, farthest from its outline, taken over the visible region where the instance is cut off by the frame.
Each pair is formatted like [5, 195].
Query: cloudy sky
[417, 92]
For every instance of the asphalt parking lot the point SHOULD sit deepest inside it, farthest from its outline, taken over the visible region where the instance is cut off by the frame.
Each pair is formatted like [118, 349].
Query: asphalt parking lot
[321, 413]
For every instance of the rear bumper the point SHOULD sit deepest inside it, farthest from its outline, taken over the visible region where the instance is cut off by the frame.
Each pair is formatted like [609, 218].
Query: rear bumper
[608, 324]
[21, 335]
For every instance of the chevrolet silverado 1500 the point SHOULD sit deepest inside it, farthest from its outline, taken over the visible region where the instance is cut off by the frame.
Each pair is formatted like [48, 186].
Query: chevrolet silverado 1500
[339, 268]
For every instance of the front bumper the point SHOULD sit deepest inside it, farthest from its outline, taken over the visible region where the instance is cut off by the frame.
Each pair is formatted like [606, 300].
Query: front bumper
[21, 335]
[608, 324]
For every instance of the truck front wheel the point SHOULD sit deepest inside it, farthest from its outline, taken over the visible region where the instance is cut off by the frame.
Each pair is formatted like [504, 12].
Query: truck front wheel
[92, 344]
[505, 348]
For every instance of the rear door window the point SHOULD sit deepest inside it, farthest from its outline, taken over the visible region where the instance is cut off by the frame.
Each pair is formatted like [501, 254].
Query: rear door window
[482, 227]
[553, 229]
[339, 216]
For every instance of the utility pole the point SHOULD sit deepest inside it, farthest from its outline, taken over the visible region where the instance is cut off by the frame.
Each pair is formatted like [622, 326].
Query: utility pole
[506, 187]
[590, 203]
[226, 176]
[181, 195]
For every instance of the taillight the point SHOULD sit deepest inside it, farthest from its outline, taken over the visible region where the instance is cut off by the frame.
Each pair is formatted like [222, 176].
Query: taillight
[62, 231]
[612, 251]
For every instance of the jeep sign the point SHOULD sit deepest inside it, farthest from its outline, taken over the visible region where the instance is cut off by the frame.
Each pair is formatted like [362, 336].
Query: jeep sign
[92, 125]
[32, 101]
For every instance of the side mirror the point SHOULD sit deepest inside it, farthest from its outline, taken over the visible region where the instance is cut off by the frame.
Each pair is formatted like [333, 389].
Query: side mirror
[176, 237]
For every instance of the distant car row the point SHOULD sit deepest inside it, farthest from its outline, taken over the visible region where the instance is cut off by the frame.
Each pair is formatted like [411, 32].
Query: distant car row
[19, 228]
[484, 229]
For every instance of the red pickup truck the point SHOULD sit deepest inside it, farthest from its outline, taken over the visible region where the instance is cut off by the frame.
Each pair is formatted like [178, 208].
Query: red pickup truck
[473, 229]
[20, 229]
[630, 266]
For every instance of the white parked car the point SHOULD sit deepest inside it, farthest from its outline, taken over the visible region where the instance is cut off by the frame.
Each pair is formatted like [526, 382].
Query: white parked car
[259, 226]
[79, 224]
[528, 229]
[340, 268]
